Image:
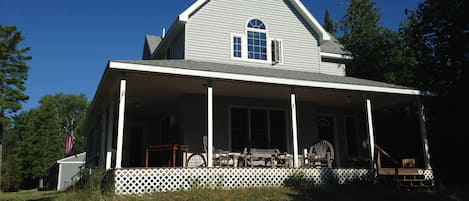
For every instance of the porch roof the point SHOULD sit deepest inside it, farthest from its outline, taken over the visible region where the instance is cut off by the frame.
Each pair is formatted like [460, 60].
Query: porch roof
[258, 74]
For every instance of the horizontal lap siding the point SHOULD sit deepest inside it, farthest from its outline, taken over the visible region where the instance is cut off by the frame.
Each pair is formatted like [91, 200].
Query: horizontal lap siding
[208, 33]
[332, 68]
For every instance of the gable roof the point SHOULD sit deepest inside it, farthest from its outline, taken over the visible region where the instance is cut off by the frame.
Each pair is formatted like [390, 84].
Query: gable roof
[151, 43]
[302, 10]
[333, 46]
[257, 74]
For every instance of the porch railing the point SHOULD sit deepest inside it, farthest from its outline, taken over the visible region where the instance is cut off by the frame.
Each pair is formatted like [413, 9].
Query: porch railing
[394, 162]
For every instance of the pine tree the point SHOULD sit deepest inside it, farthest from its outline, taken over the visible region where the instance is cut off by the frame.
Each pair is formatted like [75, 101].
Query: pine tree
[13, 74]
[360, 31]
[328, 23]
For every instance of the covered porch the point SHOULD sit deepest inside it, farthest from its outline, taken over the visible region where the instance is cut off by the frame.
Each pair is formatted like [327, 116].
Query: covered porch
[138, 108]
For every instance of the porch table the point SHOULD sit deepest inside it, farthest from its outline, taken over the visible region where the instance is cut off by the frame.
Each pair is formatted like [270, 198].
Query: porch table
[173, 148]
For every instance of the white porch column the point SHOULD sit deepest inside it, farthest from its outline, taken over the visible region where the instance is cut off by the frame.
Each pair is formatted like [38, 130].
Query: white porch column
[294, 129]
[110, 127]
[209, 126]
[423, 134]
[370, 133]
[120, 124]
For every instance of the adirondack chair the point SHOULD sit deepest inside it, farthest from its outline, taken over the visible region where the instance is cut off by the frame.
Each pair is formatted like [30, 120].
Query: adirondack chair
[321, 154]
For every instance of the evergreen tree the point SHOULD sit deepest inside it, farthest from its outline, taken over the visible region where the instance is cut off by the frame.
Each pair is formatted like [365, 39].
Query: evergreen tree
[328, 23]
[436, 34]
[13, 74]
[360, 32]
[11, 164]
[42, 135]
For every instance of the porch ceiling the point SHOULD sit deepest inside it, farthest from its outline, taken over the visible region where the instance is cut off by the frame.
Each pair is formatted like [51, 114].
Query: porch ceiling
[147, 92]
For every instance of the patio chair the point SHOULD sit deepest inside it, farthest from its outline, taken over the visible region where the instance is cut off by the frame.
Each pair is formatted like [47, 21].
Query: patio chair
[220, 157]
[321, 154]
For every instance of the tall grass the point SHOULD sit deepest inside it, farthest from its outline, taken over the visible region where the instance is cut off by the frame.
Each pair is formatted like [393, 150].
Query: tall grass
[95, 185]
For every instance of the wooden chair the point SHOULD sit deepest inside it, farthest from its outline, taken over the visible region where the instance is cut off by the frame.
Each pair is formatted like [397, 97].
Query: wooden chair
[321, 154]
[408, 162]
[220, 157]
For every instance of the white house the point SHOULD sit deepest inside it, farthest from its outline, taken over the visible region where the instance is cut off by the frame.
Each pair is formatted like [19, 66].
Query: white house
[246, 74]
[66, 172]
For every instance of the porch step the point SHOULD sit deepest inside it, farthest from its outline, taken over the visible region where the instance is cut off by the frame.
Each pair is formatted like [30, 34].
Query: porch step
[415, 182]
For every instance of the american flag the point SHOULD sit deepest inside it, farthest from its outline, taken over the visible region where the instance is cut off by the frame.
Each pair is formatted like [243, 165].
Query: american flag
[69, 142]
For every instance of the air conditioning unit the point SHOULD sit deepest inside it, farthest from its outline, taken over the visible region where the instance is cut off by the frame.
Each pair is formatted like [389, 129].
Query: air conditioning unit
[276, 51]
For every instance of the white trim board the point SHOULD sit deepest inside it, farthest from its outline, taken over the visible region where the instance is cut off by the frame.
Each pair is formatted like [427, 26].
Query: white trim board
[63, 160]
[261, 79]
[335, 55]
[73, 162]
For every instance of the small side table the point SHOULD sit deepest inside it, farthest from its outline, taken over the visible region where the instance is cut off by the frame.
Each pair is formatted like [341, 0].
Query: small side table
[173, 148]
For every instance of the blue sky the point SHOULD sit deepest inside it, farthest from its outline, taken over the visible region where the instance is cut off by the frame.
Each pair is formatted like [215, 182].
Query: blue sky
[72, 41]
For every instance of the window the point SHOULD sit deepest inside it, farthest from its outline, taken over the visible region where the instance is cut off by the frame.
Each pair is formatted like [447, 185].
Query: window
[326, 128]
[261, 128]
[254, 44]
[237, 47]
[256, 24]
[257, 40]
[351, 133]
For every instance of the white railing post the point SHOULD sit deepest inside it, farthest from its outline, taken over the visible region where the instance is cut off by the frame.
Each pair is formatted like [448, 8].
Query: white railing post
[294, 129]
[209, 126]
[120, 124]
[423, 135]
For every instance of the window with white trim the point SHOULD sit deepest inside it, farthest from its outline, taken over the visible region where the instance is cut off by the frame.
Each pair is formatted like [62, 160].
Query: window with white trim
[257, 40]
[237, 47]
[255, 45]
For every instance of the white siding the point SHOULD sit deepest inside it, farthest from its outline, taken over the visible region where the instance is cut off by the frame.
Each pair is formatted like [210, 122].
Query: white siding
[208, 33]
[332, 68]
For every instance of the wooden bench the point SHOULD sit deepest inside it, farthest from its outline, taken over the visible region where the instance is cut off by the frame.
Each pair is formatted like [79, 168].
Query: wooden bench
[266, 156]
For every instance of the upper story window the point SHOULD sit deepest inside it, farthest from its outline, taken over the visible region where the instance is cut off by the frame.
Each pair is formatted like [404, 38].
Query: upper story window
[255, 45]
[257, 40]
[237, 46]
[256, 24]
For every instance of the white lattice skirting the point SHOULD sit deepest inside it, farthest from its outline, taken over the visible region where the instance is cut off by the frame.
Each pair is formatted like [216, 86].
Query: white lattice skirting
[137, 181]
[141, 180]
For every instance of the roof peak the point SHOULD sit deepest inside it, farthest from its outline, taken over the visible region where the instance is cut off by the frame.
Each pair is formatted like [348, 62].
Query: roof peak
[302, 10]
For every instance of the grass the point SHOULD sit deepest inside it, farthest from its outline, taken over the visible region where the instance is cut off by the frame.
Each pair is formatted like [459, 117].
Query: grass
[356, 192]
[33, 194]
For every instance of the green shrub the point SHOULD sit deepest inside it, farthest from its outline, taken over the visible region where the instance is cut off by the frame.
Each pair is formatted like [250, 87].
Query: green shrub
[297, 181]
[96, 184]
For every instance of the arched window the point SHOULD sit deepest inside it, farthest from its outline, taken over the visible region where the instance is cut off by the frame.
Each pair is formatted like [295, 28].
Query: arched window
[256, 40]
[256, 24]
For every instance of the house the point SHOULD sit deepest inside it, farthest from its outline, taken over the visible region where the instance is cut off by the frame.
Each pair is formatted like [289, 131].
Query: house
[245, 74]
[66, 172]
